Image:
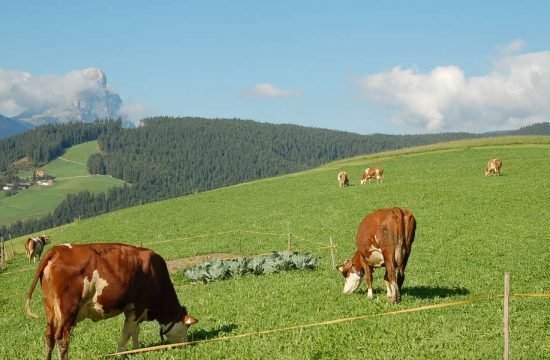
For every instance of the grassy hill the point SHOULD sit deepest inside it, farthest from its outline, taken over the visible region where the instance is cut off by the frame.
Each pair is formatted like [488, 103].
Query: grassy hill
[471, 229]
[71, 177]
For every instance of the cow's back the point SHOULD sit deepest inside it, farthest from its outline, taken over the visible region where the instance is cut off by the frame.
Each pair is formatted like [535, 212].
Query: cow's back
[104, 278]
[393, 229]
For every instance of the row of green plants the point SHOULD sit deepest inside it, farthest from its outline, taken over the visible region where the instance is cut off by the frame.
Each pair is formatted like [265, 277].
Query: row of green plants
[217, 269]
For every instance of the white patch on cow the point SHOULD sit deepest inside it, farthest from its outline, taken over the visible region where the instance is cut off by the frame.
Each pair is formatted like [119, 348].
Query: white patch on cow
[91, 290]
[68, 245]
[352, 283]
[388, 289]
[376, 258]
[369, 294]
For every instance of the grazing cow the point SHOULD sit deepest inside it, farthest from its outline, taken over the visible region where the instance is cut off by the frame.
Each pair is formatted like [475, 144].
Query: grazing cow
[34, 247]
[493, 166]
[384, 239]
[99, 281]
[374, 172]
[343, 179]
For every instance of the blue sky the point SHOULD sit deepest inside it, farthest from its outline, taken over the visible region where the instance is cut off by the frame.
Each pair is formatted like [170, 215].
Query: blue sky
[360, 66]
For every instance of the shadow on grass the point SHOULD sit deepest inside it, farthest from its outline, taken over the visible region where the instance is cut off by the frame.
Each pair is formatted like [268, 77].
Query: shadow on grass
[422, 292]
[430, 292]
[204, 334]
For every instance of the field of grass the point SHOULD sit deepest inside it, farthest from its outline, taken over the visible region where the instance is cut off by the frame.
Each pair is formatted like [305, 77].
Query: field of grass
[471, 229]
[71, 177]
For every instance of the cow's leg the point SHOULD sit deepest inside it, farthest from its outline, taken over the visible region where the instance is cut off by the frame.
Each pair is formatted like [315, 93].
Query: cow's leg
[400, 278]
[130, 329]
[63, 335]
[49, 338]
[388, 286]
[368, 279]
[391, 278]
[135, 337]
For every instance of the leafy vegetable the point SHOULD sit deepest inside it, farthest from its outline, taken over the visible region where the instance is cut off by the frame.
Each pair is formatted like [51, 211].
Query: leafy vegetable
[258, 265]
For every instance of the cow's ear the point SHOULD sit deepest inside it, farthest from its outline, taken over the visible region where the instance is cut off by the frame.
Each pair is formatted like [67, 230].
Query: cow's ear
[340, 268]
[189, 320]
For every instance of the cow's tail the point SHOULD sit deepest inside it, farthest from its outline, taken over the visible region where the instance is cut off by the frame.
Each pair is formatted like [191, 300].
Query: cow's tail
[399, 254]
[410, 231]
[405, 236]
[37, 275]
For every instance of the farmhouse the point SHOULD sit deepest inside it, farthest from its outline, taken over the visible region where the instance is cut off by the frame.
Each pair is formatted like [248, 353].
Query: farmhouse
[45, 182]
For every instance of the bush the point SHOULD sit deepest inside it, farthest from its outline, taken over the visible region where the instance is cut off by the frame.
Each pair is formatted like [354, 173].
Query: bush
[257, 265]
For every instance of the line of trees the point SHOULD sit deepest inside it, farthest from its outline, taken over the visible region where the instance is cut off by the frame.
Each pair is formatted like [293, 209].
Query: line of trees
[168, 157]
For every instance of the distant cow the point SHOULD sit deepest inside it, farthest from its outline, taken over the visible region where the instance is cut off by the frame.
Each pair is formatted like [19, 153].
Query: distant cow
[343, 179]
[384, 239]
[34, 247]
[493, 166]
[374, 172]
[99, 281]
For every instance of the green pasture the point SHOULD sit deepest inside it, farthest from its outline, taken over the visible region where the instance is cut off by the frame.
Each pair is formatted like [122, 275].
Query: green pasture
[471, 230]
[71, 177]
[73, 162]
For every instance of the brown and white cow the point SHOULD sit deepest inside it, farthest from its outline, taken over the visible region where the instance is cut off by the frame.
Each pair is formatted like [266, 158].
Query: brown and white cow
[99, 281]
[343, 179]
[373, 172]
[493, 166]
[384, 239]
[34, 247]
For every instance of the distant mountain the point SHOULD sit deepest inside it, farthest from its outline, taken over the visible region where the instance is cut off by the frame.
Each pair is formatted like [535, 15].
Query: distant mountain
[95, 102]
[10, 126]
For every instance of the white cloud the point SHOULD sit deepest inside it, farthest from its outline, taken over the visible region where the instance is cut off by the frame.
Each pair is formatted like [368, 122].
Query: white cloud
[135, 111]
[512, 48]
[268, 90]
[513, 94]
[20, 91]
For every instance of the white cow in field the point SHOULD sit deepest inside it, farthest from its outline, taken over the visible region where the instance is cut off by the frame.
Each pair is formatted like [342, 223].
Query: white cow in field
[373, 172]
[343, 179]
[34, 247]
[493, 166]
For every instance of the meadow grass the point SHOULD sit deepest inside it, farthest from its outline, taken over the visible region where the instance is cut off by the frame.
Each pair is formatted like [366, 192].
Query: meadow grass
[471, 229]
[71, 177]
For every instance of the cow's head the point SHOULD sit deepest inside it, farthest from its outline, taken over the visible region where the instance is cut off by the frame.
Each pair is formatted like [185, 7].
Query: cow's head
[45, 238]
[352, 275]
[178, 332]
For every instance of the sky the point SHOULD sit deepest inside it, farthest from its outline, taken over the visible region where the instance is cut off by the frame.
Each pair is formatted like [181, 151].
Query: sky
[396, 67]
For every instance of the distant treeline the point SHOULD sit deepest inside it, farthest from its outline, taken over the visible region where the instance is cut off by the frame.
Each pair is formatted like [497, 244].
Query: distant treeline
[169, 157]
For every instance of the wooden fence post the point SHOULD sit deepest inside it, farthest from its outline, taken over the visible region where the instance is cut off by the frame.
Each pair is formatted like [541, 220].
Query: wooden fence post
[12, 251]
[2, 252]
[332, 252]
[507, 316]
